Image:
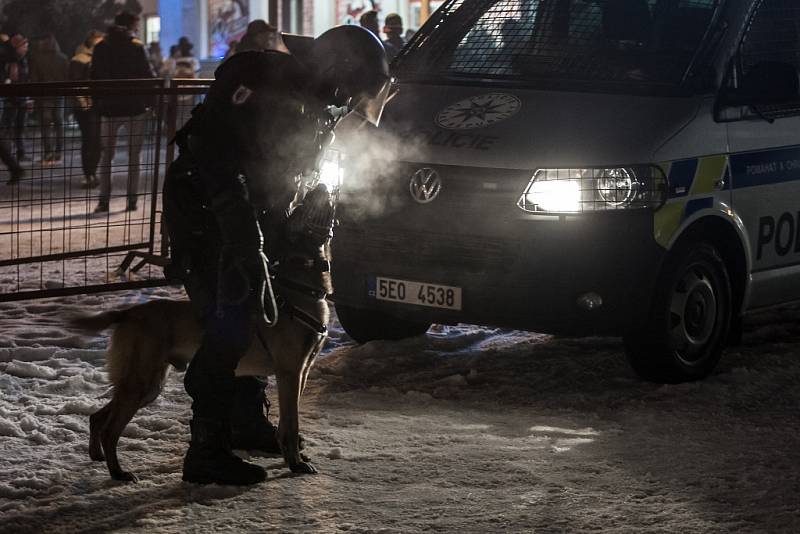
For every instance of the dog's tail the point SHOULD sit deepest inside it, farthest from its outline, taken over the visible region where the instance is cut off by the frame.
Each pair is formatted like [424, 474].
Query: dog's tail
[97, 322]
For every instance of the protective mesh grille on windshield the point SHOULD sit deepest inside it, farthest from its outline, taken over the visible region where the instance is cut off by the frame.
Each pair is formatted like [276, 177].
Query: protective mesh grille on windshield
[773, 36]
[590, 41]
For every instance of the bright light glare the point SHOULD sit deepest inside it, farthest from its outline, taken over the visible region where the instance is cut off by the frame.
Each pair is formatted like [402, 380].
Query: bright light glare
[555, 195]
[331, 173]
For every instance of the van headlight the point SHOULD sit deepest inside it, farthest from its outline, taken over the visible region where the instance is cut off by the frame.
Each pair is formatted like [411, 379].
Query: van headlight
[331, 172]
[594, 189]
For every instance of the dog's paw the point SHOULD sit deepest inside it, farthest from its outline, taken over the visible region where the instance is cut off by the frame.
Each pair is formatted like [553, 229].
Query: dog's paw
[303, 468]
[125, 476]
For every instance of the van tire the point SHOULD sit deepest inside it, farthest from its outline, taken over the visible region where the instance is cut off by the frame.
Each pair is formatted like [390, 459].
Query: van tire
[688, 325]
[365, 325]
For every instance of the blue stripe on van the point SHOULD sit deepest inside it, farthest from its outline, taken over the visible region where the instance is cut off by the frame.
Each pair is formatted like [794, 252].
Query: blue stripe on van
[697, 204]
[681, 176]
[753, 169]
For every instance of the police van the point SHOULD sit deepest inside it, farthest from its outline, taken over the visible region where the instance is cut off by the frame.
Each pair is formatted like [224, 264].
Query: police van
[614, 167]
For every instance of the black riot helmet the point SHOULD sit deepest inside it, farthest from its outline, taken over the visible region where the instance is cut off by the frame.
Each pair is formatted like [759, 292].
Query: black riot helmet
[350, 66]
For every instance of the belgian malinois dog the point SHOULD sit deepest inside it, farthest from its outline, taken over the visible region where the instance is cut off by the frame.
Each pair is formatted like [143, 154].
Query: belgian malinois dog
[149, 338]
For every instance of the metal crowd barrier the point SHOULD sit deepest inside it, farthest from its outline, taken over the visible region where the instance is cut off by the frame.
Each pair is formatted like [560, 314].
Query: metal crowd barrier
[53, 239]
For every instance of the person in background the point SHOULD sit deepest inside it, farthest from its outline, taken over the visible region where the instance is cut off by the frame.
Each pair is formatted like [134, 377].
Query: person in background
[15, 111]
[186, 65]
[49, 64]
[393, 28]
[121, 56]
[168, 68]
[369, 20]
[155, 56]
[9, 56]
[84, 110]
[409, 34]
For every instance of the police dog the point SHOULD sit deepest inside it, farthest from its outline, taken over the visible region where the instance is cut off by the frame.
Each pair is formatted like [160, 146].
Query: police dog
[149, 338]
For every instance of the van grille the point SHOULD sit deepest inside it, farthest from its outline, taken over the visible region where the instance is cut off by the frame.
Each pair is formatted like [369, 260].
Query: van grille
[471, 254]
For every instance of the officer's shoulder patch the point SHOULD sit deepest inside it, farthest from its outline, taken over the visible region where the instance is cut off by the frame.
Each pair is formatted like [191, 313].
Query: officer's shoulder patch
[240, 95]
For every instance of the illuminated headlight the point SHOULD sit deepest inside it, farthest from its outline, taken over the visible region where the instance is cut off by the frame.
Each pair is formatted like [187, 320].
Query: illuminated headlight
[594, 189]
[331, 172]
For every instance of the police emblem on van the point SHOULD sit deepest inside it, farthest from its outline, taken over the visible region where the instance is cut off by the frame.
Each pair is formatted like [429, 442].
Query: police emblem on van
[425, 185]
[478, 111]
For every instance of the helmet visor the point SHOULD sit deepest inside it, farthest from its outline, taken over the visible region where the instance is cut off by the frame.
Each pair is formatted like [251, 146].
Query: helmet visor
[370, 108]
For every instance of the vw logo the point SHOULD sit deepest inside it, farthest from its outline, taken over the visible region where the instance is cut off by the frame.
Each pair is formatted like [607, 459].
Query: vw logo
[425, 185]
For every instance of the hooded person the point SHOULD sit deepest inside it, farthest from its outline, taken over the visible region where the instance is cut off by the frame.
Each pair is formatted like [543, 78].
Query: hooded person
[49, 64]
[120, 56]
[265, 122]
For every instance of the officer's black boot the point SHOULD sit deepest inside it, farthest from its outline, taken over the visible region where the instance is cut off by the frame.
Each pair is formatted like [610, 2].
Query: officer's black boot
[209, 459]
[250, 428]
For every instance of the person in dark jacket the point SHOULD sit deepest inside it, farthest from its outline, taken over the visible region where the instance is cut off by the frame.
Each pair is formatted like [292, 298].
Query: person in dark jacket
[15, 70]
[264, 123]
[393, 28]
[8, 56]
[84, 110]
[48, 64]
[120, 56]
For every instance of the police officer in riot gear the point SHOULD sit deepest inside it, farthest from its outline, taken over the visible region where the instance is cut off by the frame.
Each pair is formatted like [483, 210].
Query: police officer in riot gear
[265, 122]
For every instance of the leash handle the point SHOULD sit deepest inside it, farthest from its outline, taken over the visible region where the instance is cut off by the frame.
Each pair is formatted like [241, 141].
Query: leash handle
[268, 311]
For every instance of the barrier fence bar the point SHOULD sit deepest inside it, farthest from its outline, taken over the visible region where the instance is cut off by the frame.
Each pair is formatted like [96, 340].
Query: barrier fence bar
[53, 239]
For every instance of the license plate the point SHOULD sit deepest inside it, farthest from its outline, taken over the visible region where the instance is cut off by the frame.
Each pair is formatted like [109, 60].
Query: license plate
[419, 293]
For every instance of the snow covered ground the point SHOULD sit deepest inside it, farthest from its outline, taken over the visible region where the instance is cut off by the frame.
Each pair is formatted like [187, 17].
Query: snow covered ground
[465, 429]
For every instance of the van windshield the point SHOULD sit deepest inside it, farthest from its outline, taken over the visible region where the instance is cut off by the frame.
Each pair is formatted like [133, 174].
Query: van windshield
[571, 42]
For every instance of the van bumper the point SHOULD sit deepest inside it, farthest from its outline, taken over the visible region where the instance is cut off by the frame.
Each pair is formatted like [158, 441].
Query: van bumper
[530, 277]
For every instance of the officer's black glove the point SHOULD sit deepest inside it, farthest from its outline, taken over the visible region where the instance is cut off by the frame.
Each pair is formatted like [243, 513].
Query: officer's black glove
[312, 220]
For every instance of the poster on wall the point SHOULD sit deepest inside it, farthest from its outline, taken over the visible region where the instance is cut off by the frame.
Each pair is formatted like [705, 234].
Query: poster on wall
[227, 21]
[349, 11]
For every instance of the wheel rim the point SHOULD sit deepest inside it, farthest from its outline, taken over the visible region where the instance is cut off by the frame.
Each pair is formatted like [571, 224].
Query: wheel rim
[693, 314]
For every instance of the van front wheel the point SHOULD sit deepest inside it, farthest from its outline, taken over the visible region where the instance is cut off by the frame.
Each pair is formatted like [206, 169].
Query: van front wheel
[368, 325]
[688, 325]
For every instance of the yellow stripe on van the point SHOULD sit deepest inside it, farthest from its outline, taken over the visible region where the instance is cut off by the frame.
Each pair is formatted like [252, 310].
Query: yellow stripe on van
[709, 172]
[666, 221]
